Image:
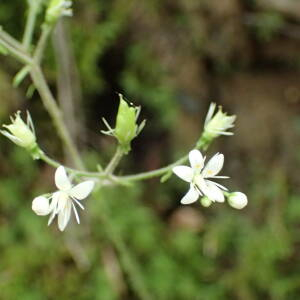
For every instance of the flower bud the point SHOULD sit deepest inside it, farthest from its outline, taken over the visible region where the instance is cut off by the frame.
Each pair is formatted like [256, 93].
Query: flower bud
[237, 200]
[20, 133]
[205, 201]
[57, 9]
[218, 124]
[40, 205]
[126, 127]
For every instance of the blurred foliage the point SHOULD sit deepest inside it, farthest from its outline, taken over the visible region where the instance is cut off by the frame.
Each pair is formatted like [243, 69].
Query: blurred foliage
[167, 56]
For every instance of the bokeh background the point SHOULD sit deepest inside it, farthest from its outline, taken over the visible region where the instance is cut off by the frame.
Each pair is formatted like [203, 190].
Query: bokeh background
[173, 58]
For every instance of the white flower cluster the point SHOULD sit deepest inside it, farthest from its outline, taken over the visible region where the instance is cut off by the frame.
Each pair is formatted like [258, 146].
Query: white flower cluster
[199, 177]
[63, 200]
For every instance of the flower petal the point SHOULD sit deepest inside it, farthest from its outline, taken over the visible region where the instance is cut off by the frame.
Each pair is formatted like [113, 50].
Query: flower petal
[76, 213]
[64, 216]
[222, 187]
[191, 196]
[196, 159]
[53, 206]
[184, 172]
[214, 165]
[61, 179]
[213, 192]
[82, 190]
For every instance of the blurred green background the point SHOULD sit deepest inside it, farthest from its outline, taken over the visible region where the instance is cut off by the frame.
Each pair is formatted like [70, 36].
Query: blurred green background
[173, 58]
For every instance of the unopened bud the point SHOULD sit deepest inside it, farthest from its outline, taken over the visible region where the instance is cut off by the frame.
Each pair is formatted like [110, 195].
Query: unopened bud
[237, 200]
[217, 124]
[20, 133]
[126, 127]
[57, 9]
[205, 201]
[40, 205]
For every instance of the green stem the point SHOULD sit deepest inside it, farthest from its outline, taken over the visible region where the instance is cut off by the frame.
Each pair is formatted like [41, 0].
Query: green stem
[114, 161]
[42, 42]
[10, 44]
[30, 25]
[7, 37]
[54, 111]
[112, 179]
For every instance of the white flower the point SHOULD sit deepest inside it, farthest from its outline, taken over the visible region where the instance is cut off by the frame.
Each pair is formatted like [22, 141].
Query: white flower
[198, 177]
[219, 123]
[237, 200]
[63, 200]
[19, 132]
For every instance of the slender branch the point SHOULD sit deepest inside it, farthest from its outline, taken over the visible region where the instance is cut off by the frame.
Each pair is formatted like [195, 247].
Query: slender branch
[7, 37]
[112, 179]
[17, 52]
[30, 25]
[54, 111]
[114, 161]
[202, 145]
[42, 42]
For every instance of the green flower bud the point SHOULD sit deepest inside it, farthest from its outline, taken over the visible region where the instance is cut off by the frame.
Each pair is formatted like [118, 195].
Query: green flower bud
[205, 201]
[217, 124]
[57, 9]
[126, 127]
[20, 133]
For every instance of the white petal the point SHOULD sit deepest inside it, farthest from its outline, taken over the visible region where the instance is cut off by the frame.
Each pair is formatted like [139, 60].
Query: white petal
[191, 196]
[78, 203]
[184, 172]
[63, 199]
[51, 217]
[213, 192]
[210, 112]
[82, 190]
[61, 179]
[54, 201]
[54, 206]
[196, 160]
[76, 213]
[64, 216]
[218, 185]
[214, 165]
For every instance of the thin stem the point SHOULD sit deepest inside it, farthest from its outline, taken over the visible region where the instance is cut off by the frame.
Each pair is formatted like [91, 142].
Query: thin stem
[7, 37]
[54, 111]
[30, 25]
[112, 179]
[17, 52]
[42, 42]
[202, 144]
[114, 161]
